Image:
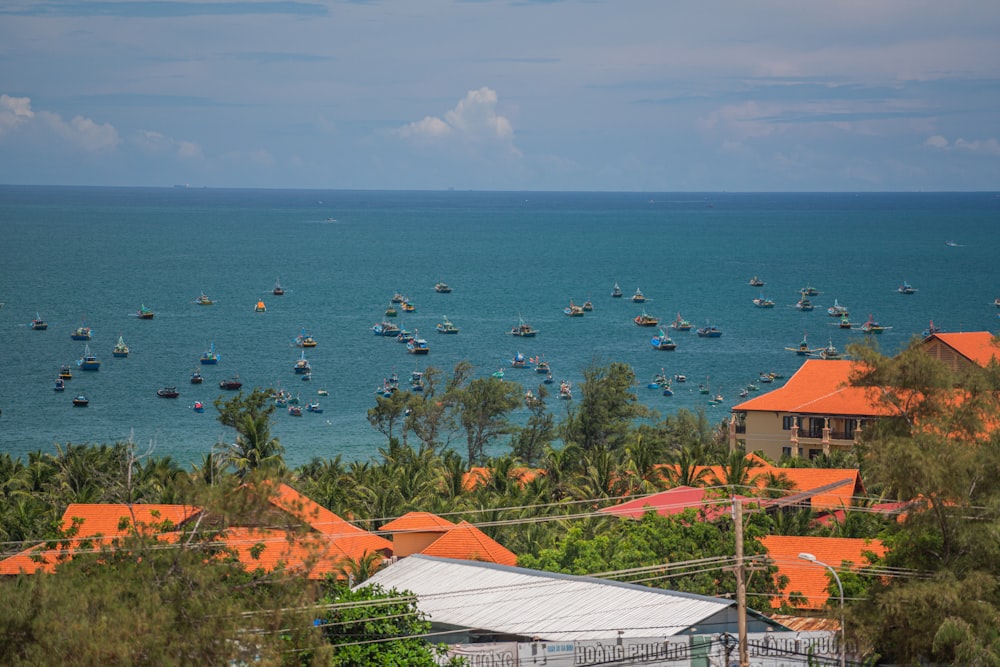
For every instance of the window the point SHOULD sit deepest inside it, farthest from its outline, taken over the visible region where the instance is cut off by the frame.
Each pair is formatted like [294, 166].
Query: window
[789, 421]
[849, 428]
[816, 427]
[813, 453]
[786, 452]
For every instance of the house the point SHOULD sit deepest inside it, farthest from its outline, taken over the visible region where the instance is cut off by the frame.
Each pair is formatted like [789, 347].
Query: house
[473, 602]
[291, 531]
[822, 488]
[431, 535]
[818, 412]
[810, 580]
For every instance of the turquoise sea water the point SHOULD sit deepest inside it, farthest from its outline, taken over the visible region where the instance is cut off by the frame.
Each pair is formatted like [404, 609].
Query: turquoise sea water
[98, 253]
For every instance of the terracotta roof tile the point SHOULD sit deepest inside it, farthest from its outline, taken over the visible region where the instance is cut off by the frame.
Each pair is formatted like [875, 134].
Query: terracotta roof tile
[420, 522]
[312, 513]
[466, 542]
[819, 386]
[976, 346]
[673, 501]
[808, 578]
[92, 520]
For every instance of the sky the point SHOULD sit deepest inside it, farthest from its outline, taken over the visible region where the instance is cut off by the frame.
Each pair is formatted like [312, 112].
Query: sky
[611, 95]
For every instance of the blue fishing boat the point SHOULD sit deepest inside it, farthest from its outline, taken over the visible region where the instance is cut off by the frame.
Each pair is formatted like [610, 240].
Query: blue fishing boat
[209, 356]
[662, 342]
[89, 361]
[302, 364]
[709, 331]
[385, 329]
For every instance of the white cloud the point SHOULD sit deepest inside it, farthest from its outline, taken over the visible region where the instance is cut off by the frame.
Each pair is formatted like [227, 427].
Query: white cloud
[473, 124]
[17, 115]
[979, 146]
[13, 112]
[157, 143]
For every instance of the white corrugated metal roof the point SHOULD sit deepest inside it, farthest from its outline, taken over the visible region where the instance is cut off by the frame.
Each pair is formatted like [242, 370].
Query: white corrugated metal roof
[551, 606]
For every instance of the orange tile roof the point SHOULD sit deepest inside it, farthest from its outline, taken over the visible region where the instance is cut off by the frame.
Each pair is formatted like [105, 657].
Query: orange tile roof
[820, 386]
[312, 513]
[802, 480]
[976, 346]
[674, 501]
[333, 540]
[466, 542]
[313, 554]
[418, 522]
[479, 475]
[807, 578]
[92, 520]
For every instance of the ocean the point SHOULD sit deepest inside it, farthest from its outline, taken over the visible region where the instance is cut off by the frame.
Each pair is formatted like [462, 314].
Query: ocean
[74, 254]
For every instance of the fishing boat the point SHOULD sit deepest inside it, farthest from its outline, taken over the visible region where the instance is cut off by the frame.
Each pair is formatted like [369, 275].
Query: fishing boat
[60, 384]
[804, 304]
[659, 380]
[996, 302]
[498, 374]
[680, 378]
[906, 288]
[837, 310]
[616, 292]
[870, 326]
[519, 361]
[802, 349]
[756, 282]
[418, 345]
[209, 356]
[644, 319]
[542, 367]
[530, 399]
[385, 329]
[168, 392]
[845, 322]
[81, 332]
[121, 349]
[662, 342]
[638, 297]
[442, 288]
[408, 307]
[322, 392]
[260, 307]
[314, 407]
[65, 373]
[763, 302]
[278, 289]
[931, 330]
[667, 390]
[203, 300]
[446, 327]
[391, 311]
[397, 298]
[404, 336]
[565, 391]
[302, 364]
[304, 340]
[680, 324]
[295, 410]
[144, 313]
[80, 401]
[196, 377]
[88, 362]
[716, 400]
[198, 406]
[573, 310]
[809, 290]
[523, 329]
[548, 379]
[416, 381]
[231, 384]
[709, 331]
[828, 352]
[588, 306]
[38, 324]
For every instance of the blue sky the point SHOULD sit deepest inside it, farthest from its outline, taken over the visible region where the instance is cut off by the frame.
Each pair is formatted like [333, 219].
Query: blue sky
[634, 95]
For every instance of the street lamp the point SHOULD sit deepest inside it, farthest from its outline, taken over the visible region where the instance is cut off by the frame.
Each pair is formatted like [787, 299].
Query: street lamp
[843, 632]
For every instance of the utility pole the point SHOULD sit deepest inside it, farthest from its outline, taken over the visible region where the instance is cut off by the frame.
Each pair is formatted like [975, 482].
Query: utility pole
[741, 584]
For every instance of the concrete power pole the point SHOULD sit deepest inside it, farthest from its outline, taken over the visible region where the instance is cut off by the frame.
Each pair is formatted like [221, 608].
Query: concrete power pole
[741, 584]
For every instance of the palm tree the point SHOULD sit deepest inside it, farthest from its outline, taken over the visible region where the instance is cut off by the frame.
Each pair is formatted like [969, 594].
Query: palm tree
[356, 570]
[255, 448]
[688, 468]
[736, 472]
